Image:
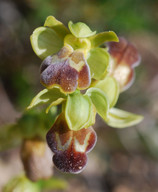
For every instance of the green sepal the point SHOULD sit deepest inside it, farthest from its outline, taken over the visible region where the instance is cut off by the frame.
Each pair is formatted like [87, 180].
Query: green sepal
[57, 26]
[79, 111]
[80, 29]
[98, 61]
[100, 101]
[120, 119]
[45, 41]
[47, 96]
[103, 37]
[110, 87]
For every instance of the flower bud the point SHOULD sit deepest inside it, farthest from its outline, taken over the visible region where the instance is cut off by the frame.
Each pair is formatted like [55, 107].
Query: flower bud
[36, 157]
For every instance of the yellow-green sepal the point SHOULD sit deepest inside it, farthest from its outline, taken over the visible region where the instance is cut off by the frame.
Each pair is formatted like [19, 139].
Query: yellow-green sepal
[45, 41]
[56, 25]
[103, 37]
[79, 111]
[110, 88]
[118, 118]
[98, 61]
[100, 101]
[53, 96]
[80, 30]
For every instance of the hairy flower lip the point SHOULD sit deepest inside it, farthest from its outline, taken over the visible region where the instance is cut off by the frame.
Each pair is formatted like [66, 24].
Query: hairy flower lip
[70, 148]
[124, 58]
[67, 69]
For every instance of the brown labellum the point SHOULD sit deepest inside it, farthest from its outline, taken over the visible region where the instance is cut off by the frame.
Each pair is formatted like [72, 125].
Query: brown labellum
[124, 57]
[70, 147]
[67, 69]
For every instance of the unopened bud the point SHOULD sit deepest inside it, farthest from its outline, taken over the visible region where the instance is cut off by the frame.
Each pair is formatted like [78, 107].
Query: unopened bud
[36, 158]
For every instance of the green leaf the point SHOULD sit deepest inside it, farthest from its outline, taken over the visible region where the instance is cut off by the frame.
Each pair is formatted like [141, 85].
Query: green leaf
[111, 89]
[80, 29]
[56, 25]
[100, 101]
[45, 41]
[103, 37]
[120, 119]
[78, 111]
[47, 96]
[21, 184]
[98, 61]
[52, 183]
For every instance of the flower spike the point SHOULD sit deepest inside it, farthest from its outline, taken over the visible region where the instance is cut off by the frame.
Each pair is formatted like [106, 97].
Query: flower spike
[75, 59]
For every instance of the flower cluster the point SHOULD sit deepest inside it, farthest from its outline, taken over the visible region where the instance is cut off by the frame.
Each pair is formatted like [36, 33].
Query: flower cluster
[86, 76]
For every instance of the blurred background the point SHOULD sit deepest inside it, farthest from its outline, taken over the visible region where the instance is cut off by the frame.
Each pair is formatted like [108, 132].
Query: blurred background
[124, 160]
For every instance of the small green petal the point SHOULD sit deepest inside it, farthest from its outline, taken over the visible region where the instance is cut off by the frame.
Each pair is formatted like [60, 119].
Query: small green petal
[111, 89]
[100, 101]
[80, 30]
[45, 42]
[103, 37]
[120, 119]
[57, 102]
[78, 111]
[56, 25]
[46, 96]
[98, 61]
[76, 43]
